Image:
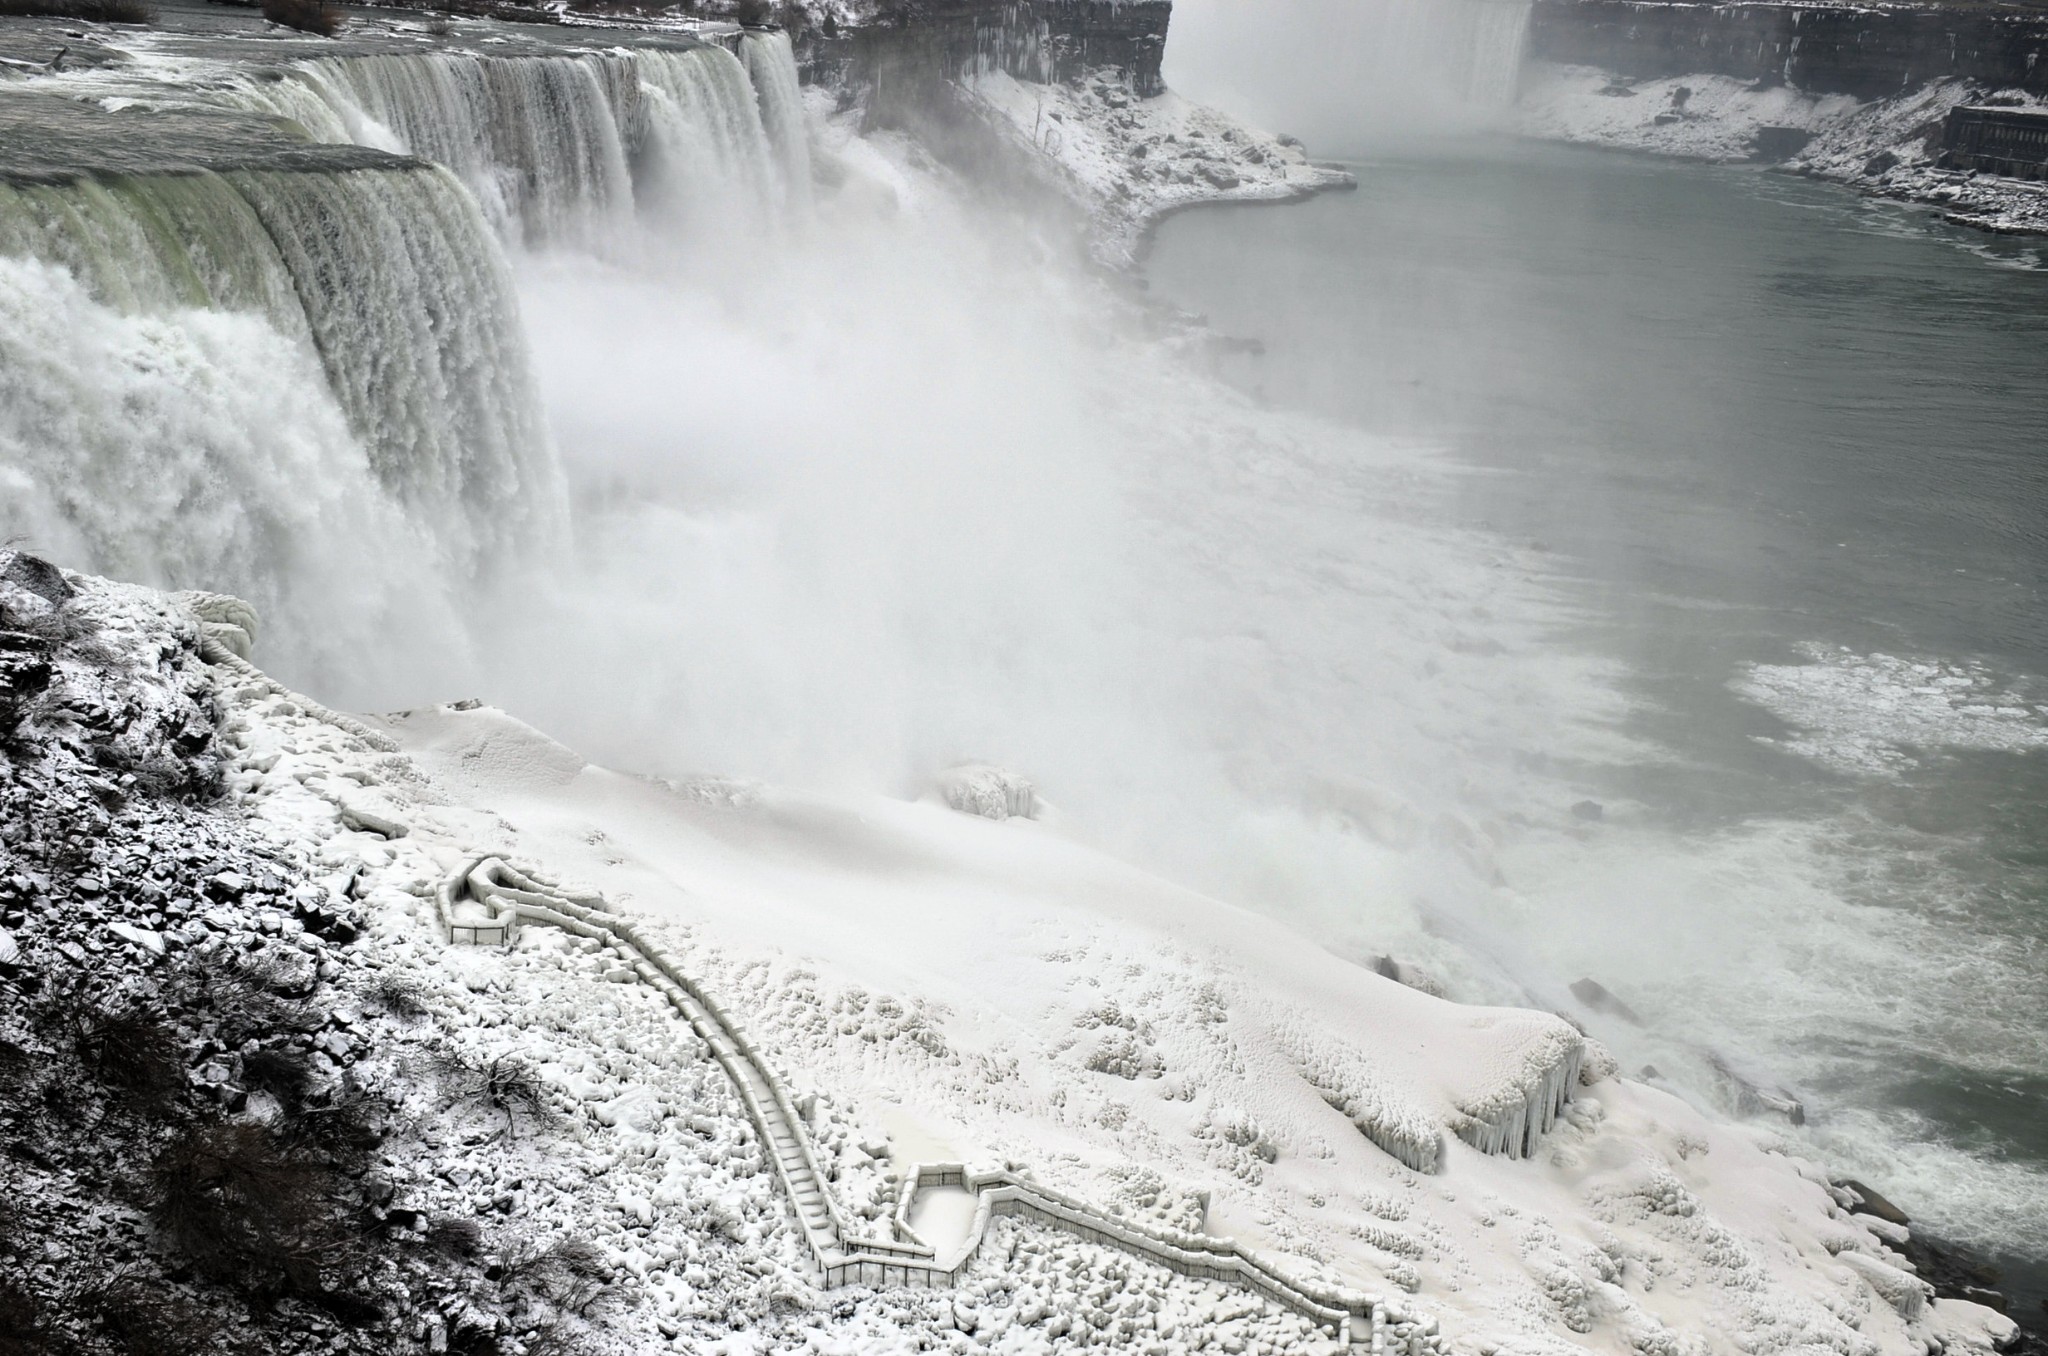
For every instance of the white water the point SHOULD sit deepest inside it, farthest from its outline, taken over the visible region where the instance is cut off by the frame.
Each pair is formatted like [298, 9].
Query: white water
[386, 281]
[772, 67]
[198, 446]
[707, 163]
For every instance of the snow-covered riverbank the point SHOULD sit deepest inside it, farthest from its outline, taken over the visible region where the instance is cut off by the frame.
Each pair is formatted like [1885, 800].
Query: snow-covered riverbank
[1886, 147]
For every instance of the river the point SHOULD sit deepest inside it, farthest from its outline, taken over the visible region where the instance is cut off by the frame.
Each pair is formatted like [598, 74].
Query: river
[1783, 451]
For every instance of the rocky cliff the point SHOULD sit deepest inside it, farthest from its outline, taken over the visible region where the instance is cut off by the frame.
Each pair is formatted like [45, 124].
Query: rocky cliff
[1867, 53]
[1042, 41]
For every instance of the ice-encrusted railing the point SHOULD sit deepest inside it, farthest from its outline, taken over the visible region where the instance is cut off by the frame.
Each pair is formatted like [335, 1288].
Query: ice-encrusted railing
[486, 900]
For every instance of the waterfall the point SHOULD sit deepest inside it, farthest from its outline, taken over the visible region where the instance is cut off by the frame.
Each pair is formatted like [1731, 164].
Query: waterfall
[361, 321]
[771, 64]
[561, 149]
[411, 307]
[538, 139]
[1468, 51]
[705, 157]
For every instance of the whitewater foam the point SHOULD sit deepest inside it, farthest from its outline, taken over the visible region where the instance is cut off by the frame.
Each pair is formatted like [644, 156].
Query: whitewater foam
[1880, 714]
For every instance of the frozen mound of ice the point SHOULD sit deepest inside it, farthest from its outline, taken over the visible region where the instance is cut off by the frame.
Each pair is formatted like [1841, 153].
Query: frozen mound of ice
[1344, 1078]
[1863, 714]
[1533, 1073]
[990, 792]
[225, 619]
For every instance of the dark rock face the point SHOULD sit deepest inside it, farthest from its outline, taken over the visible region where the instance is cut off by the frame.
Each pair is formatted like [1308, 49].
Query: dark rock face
[1868, 53]
[1046, 41]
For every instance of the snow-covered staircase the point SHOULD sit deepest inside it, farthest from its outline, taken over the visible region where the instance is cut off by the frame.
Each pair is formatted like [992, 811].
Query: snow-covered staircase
[486, 900]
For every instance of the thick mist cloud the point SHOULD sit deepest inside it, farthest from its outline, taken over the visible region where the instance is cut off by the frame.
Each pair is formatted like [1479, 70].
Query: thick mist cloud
[1348, 74]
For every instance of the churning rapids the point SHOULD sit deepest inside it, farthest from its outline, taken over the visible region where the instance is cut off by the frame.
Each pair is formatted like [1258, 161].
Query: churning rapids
[622, 386]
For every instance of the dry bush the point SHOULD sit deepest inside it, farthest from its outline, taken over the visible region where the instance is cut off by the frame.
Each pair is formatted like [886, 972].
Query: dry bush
[285, 1074]
[308, 16]
[139, 1317]
[134, 1052]
[247, 1210]
[506, 1084]
[400, 995]
[21, 1319]
[569, 1273]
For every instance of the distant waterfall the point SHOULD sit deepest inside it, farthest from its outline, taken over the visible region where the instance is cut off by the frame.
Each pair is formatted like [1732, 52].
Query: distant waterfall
[771, 63]
[365, 314]
[1468, 51]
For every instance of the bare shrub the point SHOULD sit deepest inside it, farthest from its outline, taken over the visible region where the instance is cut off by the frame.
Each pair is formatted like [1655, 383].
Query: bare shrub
[284, 1073]
[506, 1084]
[308, 16]
[569, 1273]
[242, 1208]
[453, 1236]
[21, 1319]
[141, 1318]
[400, 995]
[134, 1052]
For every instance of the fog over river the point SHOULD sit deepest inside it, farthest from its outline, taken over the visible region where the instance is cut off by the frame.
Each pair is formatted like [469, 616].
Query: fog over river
[1779, 449]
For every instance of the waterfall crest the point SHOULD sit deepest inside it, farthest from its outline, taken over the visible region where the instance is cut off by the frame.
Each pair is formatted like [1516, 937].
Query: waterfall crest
[538, 139]
[564, 149]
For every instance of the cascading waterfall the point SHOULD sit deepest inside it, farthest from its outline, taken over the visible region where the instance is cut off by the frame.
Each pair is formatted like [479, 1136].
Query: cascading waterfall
[538, 139]
[771, 64]
[705, 157]
[373, 302]
[410, 304]
[561, 149]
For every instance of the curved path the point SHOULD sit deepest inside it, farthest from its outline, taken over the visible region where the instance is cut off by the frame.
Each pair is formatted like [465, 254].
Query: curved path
[485, 902]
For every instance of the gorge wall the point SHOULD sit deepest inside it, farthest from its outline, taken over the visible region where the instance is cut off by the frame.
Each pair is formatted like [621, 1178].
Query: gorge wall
[1044, 41]
[1867, 53]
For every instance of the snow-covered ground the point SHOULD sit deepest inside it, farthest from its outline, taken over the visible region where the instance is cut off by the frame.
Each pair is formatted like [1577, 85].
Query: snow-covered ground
[938, 985]
[1886, 146]
[1131, 161]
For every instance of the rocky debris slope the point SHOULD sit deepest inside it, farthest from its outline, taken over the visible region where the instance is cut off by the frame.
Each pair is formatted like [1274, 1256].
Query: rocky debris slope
[199, 1090]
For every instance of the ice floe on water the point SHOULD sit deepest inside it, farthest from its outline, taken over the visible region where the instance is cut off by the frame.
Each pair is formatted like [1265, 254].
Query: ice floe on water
[1878, 714]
